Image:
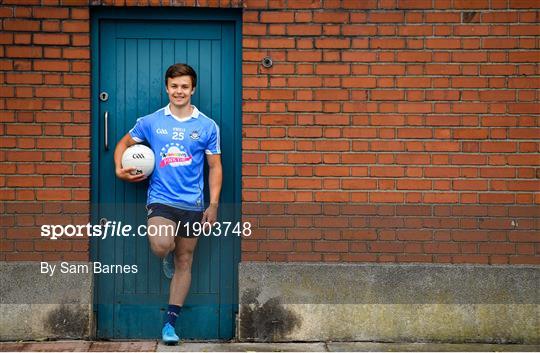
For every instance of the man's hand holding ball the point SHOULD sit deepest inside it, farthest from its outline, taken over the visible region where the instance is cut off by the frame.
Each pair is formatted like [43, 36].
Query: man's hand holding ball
[137, 164]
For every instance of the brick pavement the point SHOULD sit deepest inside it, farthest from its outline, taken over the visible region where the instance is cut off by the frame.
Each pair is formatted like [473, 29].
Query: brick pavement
[80, 346]
[154, 346]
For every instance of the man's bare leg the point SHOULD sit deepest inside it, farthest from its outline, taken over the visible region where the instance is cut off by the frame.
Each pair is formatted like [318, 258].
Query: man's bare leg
[179, 287]
[183, 256]
[183, 259]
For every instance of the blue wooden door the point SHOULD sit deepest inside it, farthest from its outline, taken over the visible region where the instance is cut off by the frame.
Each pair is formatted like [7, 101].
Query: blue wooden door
[130, 59]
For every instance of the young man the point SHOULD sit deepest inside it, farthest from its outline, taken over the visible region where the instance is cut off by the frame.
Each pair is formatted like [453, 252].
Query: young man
[180, 137]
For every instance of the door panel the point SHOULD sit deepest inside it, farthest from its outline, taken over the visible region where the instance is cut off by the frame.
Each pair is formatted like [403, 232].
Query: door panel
[133, 58]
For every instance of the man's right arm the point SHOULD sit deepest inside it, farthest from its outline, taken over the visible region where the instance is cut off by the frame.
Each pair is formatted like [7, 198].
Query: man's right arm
[122, 173]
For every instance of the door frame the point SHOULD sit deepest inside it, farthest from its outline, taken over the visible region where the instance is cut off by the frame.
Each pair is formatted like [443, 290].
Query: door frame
[229, 297]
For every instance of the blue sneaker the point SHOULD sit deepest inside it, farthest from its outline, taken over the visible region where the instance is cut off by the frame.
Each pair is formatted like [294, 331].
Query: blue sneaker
[168, 335]
[168, 265]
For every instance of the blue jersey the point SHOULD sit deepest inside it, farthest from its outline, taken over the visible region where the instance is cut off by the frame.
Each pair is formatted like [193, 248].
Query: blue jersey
[179, 146]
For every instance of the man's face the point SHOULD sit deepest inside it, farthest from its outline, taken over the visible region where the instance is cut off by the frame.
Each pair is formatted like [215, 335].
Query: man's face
[180, 90]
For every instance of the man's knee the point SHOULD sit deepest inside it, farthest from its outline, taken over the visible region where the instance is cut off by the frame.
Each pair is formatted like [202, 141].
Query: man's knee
[162, 249]
[183, 261]
[160, 234]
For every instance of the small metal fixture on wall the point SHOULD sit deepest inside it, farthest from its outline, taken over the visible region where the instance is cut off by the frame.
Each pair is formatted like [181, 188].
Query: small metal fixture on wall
[267, 62]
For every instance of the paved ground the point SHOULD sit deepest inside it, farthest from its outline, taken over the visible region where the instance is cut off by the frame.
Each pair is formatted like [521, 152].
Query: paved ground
[154, 346]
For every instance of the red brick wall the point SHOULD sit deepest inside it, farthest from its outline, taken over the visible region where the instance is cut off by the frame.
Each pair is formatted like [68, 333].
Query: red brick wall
[392, 131]
[45, 101]
[386, 131]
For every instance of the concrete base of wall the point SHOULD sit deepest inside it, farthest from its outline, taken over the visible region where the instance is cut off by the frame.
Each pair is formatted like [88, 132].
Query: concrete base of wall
[389, 303]
[37, 306]
[314, 302]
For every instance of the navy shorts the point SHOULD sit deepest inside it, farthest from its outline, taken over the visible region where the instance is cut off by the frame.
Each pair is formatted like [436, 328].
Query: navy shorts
[178, 216]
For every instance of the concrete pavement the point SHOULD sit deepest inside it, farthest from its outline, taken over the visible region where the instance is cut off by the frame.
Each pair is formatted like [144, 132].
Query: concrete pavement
[155, 346]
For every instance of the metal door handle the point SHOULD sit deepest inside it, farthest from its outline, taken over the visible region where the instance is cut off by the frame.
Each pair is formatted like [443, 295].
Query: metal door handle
[106, 123]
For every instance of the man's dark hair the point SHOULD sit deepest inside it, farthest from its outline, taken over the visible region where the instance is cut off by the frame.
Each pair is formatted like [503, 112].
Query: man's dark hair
[180, 69]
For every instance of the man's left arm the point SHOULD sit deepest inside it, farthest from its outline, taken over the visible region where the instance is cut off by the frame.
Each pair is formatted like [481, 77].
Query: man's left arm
[215, 178]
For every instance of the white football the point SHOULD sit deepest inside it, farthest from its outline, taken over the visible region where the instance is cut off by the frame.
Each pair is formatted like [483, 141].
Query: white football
[140, 157]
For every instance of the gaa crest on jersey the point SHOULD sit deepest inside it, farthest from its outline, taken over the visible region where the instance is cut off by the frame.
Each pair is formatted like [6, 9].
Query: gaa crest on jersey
[194, 135]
